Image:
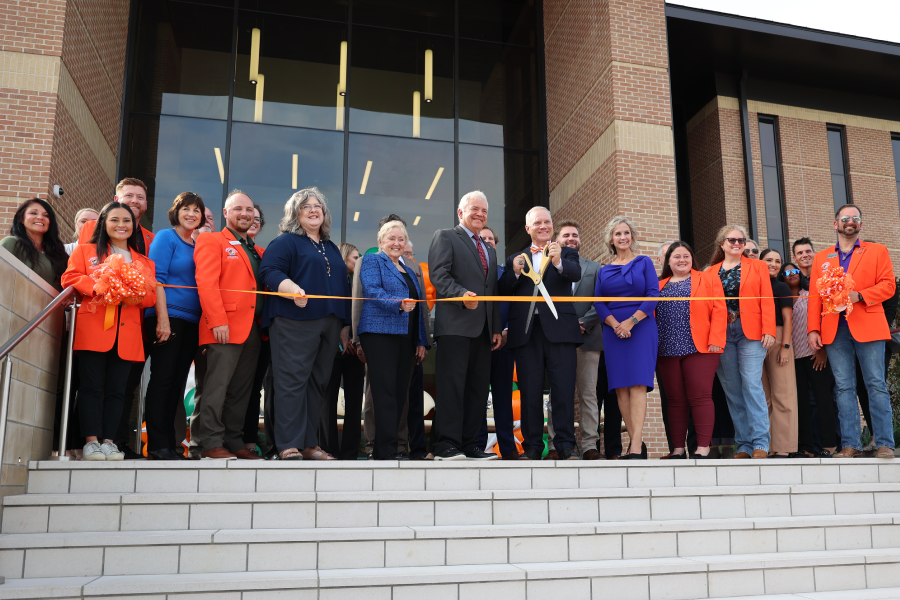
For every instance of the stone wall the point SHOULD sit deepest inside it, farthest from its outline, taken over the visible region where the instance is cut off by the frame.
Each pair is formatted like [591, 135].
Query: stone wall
[29, 429]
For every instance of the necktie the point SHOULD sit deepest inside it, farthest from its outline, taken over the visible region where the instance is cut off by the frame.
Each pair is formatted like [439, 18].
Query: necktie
[484, 265]
[536, 249]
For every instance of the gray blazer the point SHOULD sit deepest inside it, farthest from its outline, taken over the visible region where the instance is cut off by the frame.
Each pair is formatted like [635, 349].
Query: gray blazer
[356, 292]
[455, 268]
[587, 315]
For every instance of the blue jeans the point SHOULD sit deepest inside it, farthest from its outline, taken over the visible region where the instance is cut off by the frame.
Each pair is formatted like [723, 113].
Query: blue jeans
[841, 354]
[740, 373]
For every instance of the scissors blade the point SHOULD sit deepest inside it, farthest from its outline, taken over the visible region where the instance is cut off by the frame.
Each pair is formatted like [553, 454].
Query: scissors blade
[547, 299]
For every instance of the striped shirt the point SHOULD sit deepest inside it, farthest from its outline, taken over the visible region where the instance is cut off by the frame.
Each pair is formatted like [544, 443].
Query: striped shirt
[798, 333]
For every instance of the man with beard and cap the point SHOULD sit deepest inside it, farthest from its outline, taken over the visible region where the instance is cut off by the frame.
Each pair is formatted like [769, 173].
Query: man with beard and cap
[859, 335]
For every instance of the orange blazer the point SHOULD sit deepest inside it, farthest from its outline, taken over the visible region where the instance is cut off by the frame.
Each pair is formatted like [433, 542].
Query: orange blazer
[709, 318]
[87, 230]
[873, 277]
[757, 305]
[222, 266]
[89, 331]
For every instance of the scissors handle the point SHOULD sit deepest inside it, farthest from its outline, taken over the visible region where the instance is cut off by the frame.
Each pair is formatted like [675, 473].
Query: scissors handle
[531, 274]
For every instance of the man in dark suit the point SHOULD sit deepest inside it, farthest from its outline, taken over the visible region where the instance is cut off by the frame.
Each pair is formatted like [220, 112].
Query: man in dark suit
[590, 353]
[462, 265]
[542, 342]
[502, 364]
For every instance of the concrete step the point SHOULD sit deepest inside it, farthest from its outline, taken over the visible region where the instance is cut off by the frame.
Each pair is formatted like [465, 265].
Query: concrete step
[83, 512]
[236, 550]
[345, 476]
[648, 578]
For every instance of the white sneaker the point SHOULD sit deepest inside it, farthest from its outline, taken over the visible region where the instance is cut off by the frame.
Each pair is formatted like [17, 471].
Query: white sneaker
[92, 451]
[112, 452]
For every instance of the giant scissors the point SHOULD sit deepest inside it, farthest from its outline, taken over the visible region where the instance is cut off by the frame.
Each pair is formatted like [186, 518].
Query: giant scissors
[538, 279]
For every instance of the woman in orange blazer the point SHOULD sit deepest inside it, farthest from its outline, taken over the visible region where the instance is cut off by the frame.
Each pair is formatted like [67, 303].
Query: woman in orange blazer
[751, 331]
[691, 338]
[105, 355]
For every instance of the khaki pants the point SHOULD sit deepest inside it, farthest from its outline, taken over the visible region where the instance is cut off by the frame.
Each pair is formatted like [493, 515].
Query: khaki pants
[586, 388]
[780, 385]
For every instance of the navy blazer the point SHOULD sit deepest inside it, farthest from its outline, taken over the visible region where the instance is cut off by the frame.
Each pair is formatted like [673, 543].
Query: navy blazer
[566, 328]
[504, 306]
[381, 281]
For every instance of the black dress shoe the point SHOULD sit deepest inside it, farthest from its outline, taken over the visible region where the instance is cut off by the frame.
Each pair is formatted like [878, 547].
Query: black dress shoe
[701, 456]
[532, 454]
[673, 456]
[567, 454]
[165, 454]
[129, 453]
[631, 457]
[395, 456]
[479, 454]
[643, 450]
[450, 453]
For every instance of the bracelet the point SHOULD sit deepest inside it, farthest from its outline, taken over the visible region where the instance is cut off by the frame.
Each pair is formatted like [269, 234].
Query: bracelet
[634, 319]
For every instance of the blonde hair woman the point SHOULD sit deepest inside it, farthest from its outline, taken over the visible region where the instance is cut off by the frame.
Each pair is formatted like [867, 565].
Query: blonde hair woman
[629, 329]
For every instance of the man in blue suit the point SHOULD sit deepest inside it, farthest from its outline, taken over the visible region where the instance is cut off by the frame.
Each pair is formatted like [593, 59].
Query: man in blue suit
[502, 364]
[542, 342]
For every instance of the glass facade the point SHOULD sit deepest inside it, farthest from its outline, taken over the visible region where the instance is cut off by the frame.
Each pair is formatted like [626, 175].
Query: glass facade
[385, 105]
[840, 187]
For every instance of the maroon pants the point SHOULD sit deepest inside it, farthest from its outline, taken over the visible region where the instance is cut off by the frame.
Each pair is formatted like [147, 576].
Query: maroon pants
[688, 381]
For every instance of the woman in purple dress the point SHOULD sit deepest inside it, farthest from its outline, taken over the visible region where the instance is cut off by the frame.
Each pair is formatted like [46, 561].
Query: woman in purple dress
[629, 329]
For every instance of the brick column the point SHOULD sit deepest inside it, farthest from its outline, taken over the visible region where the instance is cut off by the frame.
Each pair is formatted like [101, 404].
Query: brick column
[610, 147]
[62, 69]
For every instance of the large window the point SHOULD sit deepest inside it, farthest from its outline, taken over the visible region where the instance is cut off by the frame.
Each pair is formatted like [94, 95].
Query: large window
[837, 155]
[384, 105]
[776, 222]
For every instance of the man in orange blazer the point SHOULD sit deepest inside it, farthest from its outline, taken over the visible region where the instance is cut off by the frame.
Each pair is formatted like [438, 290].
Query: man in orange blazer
[229, 330]
[860, 335]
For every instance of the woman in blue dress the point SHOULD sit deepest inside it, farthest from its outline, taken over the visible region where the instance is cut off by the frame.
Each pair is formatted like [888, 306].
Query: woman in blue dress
[629, 329]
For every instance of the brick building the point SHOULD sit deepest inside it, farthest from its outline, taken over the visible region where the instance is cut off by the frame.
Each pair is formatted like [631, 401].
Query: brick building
[681, 119]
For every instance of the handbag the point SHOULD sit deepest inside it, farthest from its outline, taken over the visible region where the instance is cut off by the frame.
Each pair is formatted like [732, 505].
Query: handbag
[893, 344]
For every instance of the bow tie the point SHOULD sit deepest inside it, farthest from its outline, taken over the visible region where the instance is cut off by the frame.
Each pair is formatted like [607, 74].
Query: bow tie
[536, 249]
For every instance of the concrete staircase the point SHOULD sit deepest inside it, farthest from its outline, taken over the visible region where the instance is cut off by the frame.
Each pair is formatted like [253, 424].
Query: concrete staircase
[652, 530]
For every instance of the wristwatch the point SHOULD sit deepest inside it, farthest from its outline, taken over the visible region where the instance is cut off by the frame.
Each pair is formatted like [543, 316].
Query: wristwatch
[788, 346]
[634, 319]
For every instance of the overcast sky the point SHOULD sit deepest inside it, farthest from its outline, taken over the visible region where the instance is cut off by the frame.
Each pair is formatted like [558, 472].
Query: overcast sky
[876, 19]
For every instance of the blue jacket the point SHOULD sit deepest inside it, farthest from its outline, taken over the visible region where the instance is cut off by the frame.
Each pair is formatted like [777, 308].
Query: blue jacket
[381, 280]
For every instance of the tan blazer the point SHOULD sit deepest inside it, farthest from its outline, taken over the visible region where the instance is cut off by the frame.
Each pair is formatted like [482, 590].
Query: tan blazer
[356, 306]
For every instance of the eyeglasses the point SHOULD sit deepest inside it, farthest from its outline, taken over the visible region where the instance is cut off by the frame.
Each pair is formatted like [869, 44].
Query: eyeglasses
[848, 219]
[789, 272]
[313, 207]
[751, 251]
[738, 241]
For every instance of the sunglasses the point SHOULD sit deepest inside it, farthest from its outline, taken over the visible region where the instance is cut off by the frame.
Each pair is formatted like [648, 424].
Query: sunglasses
[848, 219]
[751, 251]
[738, 241]
[789, 272]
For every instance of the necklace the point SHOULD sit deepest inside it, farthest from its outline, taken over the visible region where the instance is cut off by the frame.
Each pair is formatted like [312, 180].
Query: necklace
[322, 252]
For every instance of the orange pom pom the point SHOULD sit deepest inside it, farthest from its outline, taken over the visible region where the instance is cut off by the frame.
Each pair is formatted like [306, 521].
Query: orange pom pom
[834, 287]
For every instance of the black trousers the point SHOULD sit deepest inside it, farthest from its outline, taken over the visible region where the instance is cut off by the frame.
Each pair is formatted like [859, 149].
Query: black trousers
[103, 379]
[503, 361]
[863, 393]
[352, 371]
[560, 361]
[608, 401]
[415, 414]
[390, 359]
[664, 406]
[822, 384]
[463, 376]
[302, 357]
[251, 420]
[170, 363]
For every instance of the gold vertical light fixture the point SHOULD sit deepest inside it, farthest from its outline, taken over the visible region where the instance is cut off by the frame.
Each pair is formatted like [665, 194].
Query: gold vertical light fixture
[339, 111]
[356, 216]
[220, 164]
[254, 55]
[416, 222]
[342, 82]
[417, 114]
[365, 181]
[294, 172]
[429, 75]
[434, 183]
[258, 106]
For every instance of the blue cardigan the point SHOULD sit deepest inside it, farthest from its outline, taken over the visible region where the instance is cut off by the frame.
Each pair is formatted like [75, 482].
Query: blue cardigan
[381, 280]
[292, 256]
[174, 260]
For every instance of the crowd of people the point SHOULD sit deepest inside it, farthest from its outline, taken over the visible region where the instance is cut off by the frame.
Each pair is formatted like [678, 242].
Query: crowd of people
[747, 363]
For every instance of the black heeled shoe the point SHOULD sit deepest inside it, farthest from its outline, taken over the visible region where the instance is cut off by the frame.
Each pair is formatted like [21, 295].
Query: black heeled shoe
[165, 454]
[643, 450]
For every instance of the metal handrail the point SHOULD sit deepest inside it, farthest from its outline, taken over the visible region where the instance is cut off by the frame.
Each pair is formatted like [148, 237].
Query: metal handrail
[14, 341]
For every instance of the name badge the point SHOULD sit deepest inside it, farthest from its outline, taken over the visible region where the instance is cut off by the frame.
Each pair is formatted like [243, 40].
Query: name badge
[234, 243]
[832, 255]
